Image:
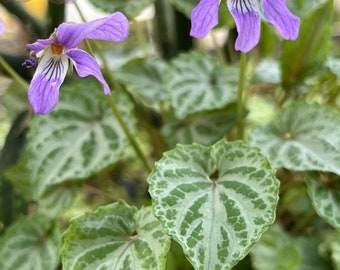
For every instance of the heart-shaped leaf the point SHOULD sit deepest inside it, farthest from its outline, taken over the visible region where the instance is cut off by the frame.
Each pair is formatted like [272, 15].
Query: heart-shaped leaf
[197, 82]
[215, 201]
[116, 236]
[79, 138]
[302, 137]
[32, 243]
[325, 199]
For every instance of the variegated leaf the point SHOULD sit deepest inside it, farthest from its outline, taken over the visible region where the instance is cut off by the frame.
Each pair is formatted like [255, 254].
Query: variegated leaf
[215, 201]
[77, 139]
[325, 199]
[31, 243]
[197, 82]
[116, 236]
[302, 137]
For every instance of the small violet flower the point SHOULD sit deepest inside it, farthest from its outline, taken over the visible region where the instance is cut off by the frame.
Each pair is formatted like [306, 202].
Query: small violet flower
[2, 27]
[55, 53]
[247, 18]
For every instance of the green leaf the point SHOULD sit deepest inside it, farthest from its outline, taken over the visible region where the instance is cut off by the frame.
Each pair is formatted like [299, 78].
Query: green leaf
[204, 128]
[52, 202]
[275, 251]
[302, 137]
[309, 248]
[18, 175]
[144, 76]
[116, 236]
[261, 110]
[268, 70]
[55, 200]
[267, 45]
[197, 82]
[325, 199]
[79, 138]
[130, 8]
[308, 52]
[295, 199]
[214, 201]
[278, 250]
[331, 246]
[14, 99]
[31, 243]
[302, 8]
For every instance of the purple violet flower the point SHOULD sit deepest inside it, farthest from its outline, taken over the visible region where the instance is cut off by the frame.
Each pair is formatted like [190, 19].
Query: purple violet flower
[55, 52]
[247, 18]
[2, 27]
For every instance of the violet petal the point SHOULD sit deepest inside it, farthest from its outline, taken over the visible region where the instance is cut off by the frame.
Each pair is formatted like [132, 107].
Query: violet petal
[43, 91]
[204, 17]
[277, 13]
[86, 65]
[2, 27]
[40, 44]
[43, 94]
[114, 27]
[248, 22]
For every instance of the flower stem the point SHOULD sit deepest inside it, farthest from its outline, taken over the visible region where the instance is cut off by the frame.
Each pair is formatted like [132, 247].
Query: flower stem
[239, 105]
[112, 102]
[13, 73]
[130, 137]
[115, 110]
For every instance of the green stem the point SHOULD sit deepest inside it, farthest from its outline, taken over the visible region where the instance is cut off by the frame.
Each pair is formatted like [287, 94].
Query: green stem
[130, 137]
[106, 68]
[13, 73]
[79, 12]
[112, 102]
[239, 105]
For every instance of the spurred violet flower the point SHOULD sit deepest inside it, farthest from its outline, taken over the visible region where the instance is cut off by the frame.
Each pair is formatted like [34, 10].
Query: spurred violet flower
[55, 53]
[247, 17]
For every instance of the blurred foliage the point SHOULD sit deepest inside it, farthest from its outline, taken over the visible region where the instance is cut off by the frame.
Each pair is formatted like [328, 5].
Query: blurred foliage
[75, 194]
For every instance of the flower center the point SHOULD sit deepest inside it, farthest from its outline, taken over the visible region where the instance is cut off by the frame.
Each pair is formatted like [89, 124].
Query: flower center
[243, 6]
[57, 48]
[30, 62]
